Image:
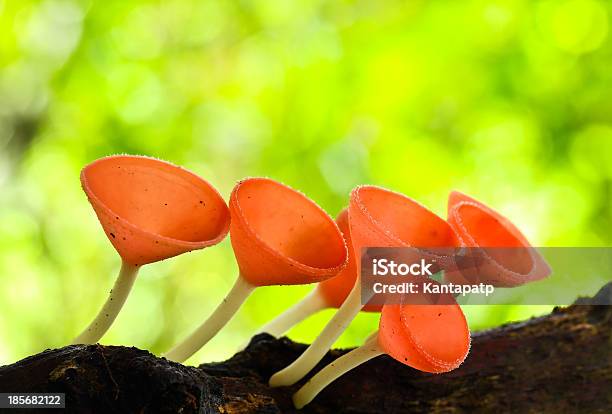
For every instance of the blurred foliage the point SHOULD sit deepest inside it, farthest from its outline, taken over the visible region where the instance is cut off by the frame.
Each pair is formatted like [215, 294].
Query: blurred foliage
[507, 100]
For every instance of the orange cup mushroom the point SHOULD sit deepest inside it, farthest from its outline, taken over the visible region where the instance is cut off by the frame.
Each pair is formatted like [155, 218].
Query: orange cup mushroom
[150, 210]
[279, 237]
[431, 337]
[377, 218]
[330, 293]
[496, 251]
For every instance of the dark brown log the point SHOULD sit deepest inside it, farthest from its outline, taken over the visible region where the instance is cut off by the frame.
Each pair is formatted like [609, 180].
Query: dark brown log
[559, 363]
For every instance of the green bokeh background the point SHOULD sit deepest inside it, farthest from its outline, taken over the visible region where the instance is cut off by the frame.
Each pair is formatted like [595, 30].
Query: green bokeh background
[510, 101]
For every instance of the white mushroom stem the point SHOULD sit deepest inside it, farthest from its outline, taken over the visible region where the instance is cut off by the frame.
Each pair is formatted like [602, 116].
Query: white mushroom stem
[106, 316]
[209, 328]
[309, 305]
[315, 352]
[339, 367]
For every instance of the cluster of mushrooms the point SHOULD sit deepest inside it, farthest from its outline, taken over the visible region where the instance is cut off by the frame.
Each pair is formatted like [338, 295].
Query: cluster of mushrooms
[152, 210]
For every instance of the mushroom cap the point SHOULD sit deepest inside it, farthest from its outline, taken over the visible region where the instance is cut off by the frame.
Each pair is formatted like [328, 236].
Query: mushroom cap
[281, 237]
[506, 257]
[382, 218]
[335, 289]
[152, 210]
[431, 337]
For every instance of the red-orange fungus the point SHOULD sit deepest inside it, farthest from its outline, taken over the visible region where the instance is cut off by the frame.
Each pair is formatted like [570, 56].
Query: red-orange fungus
[281, 237]
[377, 218]
[383, 218]
[510, 259]
[152, 210]
[429, 337]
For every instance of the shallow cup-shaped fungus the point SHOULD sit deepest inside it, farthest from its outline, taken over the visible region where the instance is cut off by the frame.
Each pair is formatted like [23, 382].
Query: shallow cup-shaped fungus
[497, 252]
[279, 237]
[377, 218]
[429, 337]
[150, 210]
[330, 293]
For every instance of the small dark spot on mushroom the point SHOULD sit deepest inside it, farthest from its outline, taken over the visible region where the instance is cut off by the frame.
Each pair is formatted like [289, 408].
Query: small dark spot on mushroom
[112, 235]
[201, 202]
[165, 204]
[124, 238]
[156, 242]
[116, 217]
[440, 314]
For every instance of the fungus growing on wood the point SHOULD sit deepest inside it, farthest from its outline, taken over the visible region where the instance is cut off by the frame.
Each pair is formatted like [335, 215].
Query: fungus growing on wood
[431, 337]
[150, 210]
[381, 218]
[279, 237]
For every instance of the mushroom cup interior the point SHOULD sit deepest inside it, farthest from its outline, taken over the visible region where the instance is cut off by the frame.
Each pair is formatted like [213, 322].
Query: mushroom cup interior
[291, 224]
[489, 231]
[406, 219]
[157, 197]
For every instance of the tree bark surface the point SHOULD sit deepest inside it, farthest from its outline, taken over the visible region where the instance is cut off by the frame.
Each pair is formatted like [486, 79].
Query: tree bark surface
[558, 363]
